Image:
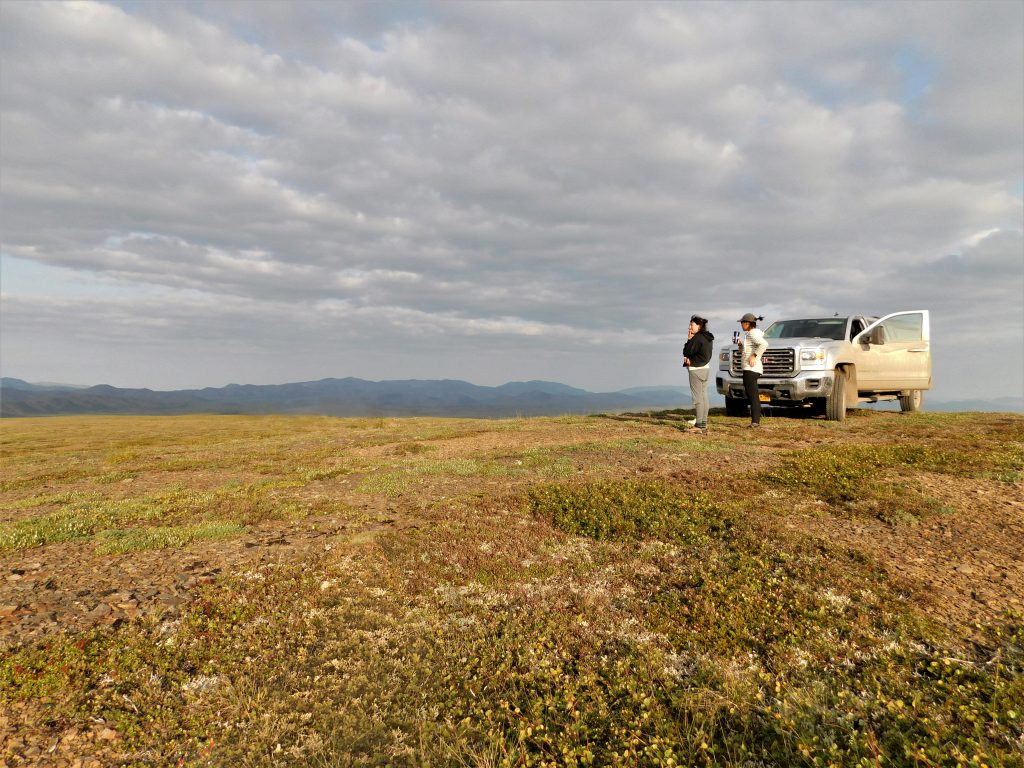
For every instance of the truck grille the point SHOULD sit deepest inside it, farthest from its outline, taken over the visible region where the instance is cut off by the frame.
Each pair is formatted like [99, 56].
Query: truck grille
[776, 362]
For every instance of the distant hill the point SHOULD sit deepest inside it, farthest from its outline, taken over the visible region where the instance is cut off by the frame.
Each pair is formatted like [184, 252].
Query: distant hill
[335, 397]
[8, 383]
[359, 397]
[1008, 404]
[995, 405]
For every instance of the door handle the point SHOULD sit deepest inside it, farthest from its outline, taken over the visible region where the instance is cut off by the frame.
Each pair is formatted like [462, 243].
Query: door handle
[919, 349]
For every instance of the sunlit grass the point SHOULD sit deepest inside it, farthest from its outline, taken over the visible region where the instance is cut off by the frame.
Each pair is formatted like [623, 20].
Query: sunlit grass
[161, 537]
[80, 518]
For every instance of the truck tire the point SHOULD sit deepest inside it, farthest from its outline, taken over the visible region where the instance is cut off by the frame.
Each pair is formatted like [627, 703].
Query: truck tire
[911, 401]
[835, 403]
[735, 406]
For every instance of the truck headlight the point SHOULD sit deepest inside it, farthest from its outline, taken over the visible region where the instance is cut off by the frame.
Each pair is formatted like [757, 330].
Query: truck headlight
[723, 356]
[812, 354]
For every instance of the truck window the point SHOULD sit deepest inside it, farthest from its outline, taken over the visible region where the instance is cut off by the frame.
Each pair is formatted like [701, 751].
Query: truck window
[813, 328]
[906, 327]
[855, 327]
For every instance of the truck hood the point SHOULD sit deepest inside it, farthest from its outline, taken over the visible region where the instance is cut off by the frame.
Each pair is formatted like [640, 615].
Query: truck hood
[803, 341]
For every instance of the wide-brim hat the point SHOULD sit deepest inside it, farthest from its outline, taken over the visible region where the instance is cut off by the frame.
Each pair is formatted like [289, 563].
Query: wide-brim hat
[750, 317]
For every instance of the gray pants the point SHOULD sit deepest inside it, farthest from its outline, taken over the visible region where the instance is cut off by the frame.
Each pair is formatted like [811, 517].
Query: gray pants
[699, 380]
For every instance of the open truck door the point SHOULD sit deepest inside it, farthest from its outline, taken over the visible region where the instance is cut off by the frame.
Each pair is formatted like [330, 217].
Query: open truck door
[894, 353]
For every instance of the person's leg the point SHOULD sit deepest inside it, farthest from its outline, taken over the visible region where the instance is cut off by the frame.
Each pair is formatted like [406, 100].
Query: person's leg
[750, 386]
[699, 390]
[695, 395]
[707, 396]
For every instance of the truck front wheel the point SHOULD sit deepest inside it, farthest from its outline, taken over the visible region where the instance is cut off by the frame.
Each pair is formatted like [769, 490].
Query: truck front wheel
[735, 406]
[835, 403]
[911, 401]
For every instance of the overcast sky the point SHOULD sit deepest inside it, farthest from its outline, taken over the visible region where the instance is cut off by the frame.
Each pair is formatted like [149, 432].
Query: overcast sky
[199, 193]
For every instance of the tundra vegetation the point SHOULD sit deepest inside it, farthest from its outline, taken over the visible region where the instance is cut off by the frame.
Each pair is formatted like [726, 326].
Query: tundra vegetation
[530, 592]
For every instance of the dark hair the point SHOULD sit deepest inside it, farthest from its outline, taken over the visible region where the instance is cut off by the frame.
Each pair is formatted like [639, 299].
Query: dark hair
[701, 321]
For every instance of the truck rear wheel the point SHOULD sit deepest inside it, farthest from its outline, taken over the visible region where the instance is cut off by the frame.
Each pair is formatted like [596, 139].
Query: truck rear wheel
[911, 401]
[735, 406]
[835, 403]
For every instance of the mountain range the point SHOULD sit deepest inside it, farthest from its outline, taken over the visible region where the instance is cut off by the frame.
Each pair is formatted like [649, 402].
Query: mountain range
[336, 397]
[358, 397]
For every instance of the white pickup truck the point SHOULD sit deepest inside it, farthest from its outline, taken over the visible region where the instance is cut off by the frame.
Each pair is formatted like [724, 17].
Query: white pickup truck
[832, 363]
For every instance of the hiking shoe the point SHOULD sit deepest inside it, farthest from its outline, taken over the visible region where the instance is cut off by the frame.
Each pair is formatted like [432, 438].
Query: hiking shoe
[754, 425]
[697, 430]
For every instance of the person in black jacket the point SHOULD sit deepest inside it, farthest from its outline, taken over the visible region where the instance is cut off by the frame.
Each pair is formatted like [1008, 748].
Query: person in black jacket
[697, 358]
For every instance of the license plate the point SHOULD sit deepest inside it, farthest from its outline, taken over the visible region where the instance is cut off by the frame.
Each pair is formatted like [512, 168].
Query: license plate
[764, 397]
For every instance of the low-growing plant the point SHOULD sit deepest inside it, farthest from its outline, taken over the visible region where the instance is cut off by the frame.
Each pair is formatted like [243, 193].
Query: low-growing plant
[411, 449]
[161, 537]
[48, 529]
[119, 476]
[838, 473]
[459, 467]
[859, 477]
[897, 503]
[81, 518]
[672, 625]
[385, 484]
[624, 510]
[325, 662]
[323, 473]
[43, 500]
[533, 463]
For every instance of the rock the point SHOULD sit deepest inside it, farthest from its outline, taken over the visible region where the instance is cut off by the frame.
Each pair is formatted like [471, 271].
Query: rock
[100, 611]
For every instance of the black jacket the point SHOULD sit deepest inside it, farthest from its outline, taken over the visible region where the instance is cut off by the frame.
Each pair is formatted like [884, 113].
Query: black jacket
[699, 349]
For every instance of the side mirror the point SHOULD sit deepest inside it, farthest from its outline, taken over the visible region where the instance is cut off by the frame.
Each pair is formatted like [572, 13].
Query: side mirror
[877, 335]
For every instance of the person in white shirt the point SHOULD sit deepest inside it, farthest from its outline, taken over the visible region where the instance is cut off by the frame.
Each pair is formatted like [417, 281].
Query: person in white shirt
[752, 349]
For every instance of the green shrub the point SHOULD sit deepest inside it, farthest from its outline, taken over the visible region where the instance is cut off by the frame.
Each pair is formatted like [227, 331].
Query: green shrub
[626, 510]
[842, 473]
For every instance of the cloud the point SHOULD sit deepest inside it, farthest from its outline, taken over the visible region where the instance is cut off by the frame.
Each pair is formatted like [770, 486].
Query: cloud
[462, 177]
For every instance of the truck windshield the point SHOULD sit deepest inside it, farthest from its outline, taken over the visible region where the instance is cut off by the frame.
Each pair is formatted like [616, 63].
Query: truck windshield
[824, 328]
